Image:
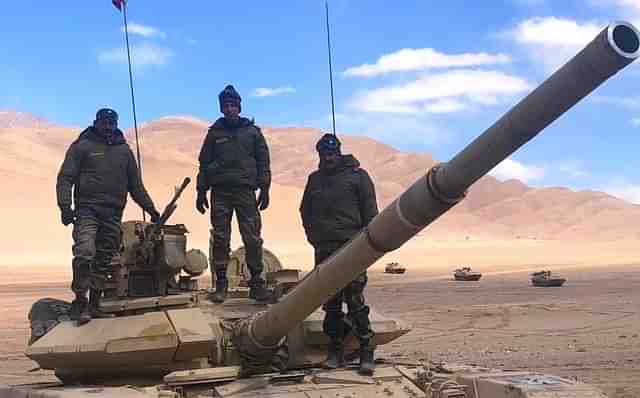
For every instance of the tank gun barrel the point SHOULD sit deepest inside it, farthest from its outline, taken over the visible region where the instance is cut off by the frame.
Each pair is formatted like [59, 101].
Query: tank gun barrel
[446, 184]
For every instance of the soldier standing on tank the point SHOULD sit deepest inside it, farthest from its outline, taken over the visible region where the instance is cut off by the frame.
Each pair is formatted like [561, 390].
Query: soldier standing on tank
[234, 163]
[100, 169]
[339, 200]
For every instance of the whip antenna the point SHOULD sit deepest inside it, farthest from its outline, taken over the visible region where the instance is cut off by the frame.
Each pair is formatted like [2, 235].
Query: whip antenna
[333, 109]
[122, 6]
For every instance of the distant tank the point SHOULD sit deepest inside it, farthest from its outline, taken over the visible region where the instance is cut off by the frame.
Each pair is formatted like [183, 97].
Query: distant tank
[545, 279]
[466, 274]
[178, 345]
[394, 268]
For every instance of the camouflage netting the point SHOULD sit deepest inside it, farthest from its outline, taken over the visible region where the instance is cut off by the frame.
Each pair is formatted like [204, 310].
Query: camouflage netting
[45, 314]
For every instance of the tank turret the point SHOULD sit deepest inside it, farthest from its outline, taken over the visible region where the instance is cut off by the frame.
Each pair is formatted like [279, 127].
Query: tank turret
[203, 349]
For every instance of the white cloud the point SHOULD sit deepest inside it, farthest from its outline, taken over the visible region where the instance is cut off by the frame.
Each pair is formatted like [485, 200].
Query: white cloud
[415, 59]
[445, 106]
[553, 40]
[508, 169]
[556, 32]
[407, 132]
[635, 121]
[574, 168]
[272, 92]
[445, 92]
[145, 30]
[625, 190]
[628, 6]
[141, 55]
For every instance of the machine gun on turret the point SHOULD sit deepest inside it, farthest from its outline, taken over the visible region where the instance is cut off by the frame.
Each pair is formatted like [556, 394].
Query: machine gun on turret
[149, 234]
[153, 255]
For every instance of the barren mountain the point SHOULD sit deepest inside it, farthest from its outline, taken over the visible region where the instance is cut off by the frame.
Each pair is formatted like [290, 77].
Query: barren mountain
[31, 150]
[13, 119]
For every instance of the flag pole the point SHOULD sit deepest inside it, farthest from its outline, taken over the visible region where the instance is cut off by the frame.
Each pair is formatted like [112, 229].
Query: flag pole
[133, 98]
[333, 109]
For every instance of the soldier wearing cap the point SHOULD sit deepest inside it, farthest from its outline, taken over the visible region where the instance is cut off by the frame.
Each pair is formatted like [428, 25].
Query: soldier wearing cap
[98, 172]
[234, 163]
[339, 200]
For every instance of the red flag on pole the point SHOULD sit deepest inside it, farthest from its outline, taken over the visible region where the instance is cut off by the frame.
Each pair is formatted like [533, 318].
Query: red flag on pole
[118, 4]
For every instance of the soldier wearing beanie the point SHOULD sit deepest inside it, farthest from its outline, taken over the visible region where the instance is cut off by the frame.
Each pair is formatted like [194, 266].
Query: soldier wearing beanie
[100, 170]
[339, 200]
[234, 163]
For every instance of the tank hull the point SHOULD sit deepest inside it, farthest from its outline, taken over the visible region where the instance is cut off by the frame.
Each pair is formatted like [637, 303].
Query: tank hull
[553, 282]
[469, 277]
[388, 381]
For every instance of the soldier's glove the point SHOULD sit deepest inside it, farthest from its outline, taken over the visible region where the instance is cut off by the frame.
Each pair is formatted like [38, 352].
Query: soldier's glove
[67, 216]
[154, 214]
[201, 202]
[263, 198]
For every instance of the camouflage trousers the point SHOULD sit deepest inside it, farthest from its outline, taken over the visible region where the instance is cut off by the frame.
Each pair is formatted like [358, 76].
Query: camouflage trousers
[334, 324]
[96, 239]
[243, 202]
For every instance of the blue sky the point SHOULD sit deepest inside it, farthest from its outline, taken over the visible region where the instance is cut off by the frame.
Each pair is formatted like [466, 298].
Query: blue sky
[419, 75]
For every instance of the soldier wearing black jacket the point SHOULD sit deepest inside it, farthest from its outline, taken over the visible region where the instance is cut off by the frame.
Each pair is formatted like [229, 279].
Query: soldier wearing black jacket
[339, 200]
[234, 163]
[99, 168]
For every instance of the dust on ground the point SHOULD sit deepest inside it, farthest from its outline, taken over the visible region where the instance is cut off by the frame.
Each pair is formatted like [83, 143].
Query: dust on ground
[589, 329]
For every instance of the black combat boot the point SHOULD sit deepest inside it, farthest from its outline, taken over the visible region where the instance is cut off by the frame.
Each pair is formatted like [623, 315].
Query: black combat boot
[258, 291]
[84, 313]
[220, 295]
[80, 309]
[367, 364]
[94, 305]
[335, 355]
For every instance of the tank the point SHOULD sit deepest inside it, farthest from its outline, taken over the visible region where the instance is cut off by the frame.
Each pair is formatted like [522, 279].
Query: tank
[466, 274]
[180, 345]
[394, 268]
[545, 279]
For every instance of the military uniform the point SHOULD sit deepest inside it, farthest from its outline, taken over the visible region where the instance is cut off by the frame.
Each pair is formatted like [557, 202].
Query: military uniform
[337, 203]
[100, 170]
[234, 162]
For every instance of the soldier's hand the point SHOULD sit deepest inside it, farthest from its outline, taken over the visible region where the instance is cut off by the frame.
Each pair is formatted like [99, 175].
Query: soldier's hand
[154, 215]
[67, 216]
[201, 202]
[263, 199]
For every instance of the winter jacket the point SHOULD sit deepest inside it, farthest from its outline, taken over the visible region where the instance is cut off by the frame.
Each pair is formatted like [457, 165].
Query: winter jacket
[338, 204]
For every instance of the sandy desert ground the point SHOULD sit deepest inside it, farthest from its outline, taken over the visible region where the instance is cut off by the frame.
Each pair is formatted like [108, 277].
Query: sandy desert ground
[589, 329]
